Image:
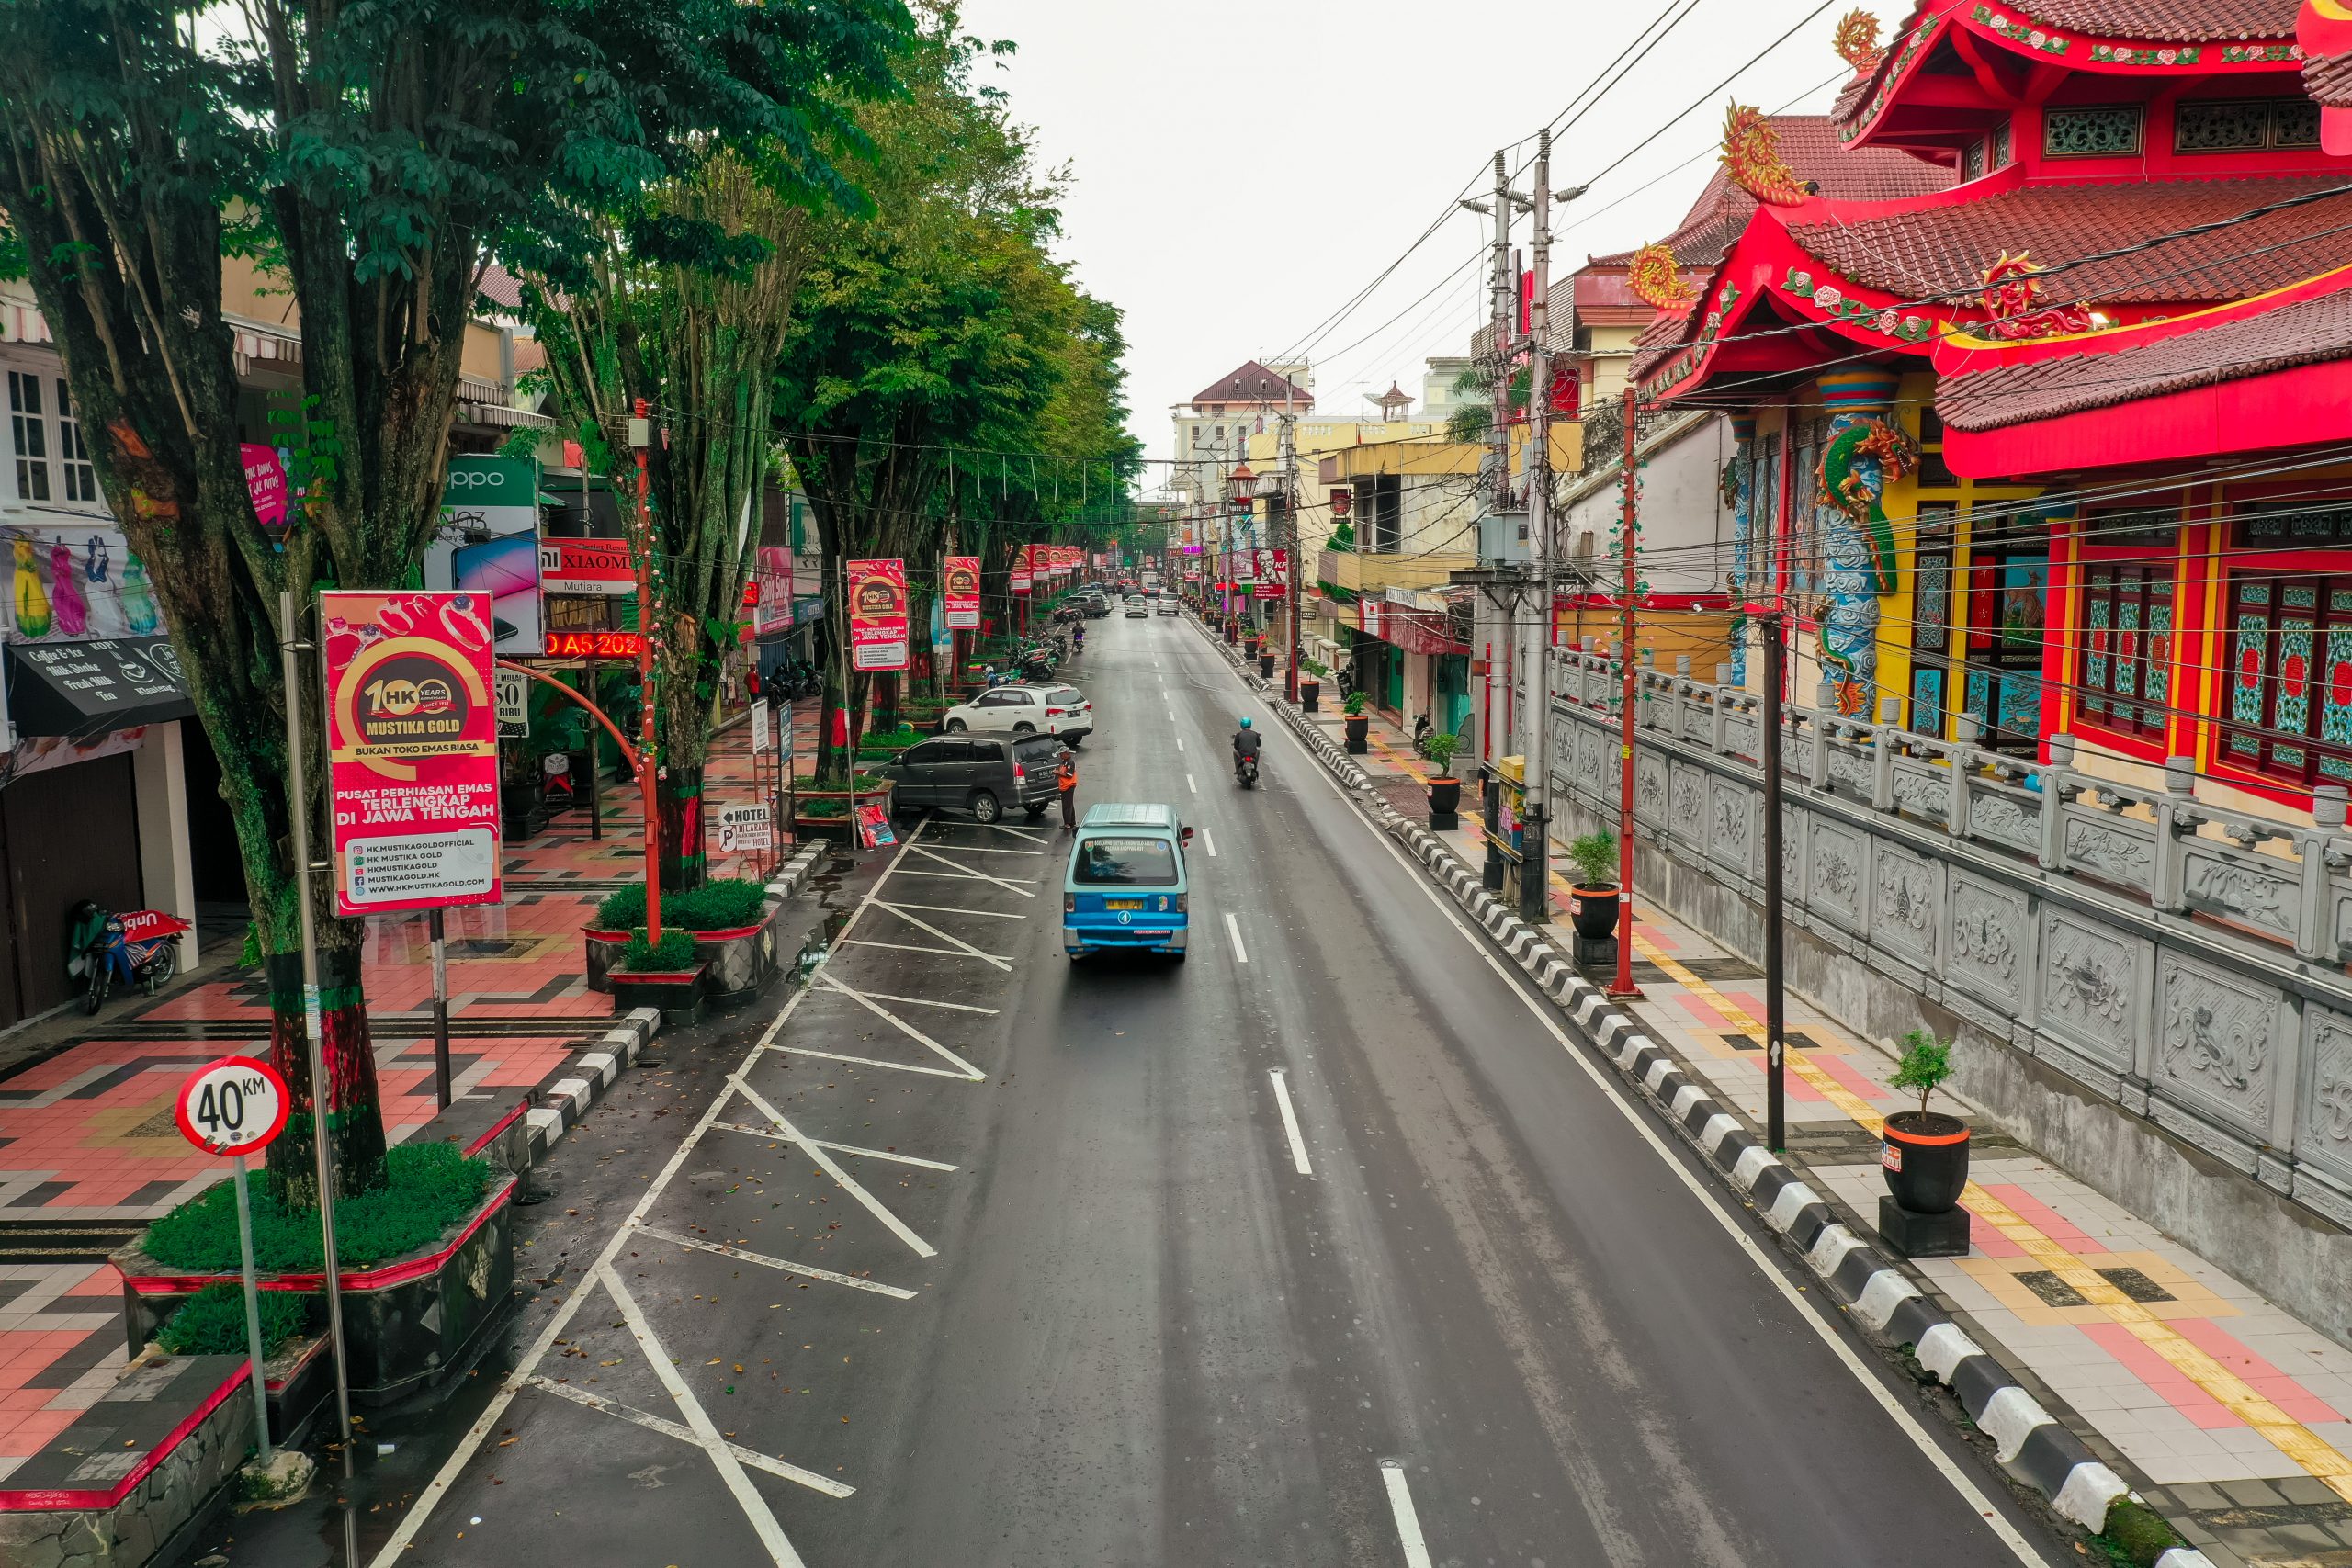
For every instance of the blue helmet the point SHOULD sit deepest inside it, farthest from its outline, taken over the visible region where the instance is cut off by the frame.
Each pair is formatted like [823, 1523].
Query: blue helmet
[1245, 723]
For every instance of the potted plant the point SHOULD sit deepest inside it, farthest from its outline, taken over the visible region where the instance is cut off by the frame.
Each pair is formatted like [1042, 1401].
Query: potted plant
[1310, 684]
[1265, 662]
[1359, 723]
[1445, 790]
[1924, 1153]
[1251, 644]
[1592, 902]
[665, 975]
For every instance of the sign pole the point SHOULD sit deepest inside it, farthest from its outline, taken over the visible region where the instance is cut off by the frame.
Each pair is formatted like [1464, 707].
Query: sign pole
[313, 1027]
[253, 1312]
[641, 435]
[440, 1007]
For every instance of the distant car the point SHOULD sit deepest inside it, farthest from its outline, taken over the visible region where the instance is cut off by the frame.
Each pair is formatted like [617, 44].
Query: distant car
[1042, 708]
[1168, 605]
[1096, 604]
[1138, 605]
[984, 776]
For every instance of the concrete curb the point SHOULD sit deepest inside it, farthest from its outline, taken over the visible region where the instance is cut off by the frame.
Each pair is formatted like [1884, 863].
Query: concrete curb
[593, 1072]
[2032, 1445]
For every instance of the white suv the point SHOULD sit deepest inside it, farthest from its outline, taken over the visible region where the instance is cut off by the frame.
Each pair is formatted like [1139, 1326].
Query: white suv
[1041, 709]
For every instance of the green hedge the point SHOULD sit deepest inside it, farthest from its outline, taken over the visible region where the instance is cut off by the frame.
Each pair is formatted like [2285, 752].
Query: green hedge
[212, 1322]
[861, 779]
[432, 1187]
[824, 808]
[721, 904]
[673, 953]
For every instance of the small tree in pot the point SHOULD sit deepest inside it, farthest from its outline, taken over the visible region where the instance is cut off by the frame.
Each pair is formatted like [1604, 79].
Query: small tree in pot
[1926, 1152]
[1592, 902]
[1359, 722]
[1310, 684]
[1445, 790]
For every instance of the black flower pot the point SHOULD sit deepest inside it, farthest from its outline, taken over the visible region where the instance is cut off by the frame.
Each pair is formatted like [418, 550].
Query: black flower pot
[1925, 1155]
[1265, 666]
[1445, 801]
[1594, 910]
[1359, 729]
[1310, 696]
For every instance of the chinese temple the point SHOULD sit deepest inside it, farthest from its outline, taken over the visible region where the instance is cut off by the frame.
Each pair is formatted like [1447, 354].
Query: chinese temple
[2058, 450]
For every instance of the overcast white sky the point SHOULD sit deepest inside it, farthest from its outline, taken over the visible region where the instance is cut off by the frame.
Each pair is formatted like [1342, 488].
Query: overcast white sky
[1244, 166]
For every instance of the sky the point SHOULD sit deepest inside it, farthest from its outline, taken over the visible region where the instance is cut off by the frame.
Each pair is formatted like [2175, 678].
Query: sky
[1242, 168]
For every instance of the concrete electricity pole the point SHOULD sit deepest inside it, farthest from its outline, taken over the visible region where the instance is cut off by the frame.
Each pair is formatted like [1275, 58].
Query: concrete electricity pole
[1535, 868]
[1290, 532]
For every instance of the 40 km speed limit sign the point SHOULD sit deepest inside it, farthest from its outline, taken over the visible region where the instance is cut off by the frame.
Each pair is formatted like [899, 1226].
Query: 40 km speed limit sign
[234, 1106]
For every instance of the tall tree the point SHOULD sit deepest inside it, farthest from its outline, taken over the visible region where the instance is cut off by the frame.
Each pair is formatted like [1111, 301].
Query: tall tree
[943, 326]
[693, 330]
[370, 155]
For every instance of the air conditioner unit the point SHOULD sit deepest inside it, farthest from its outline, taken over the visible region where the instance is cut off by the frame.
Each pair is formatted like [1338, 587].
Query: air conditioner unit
[1502, 538]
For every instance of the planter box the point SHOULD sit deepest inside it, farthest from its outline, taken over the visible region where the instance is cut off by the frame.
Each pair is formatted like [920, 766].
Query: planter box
[738, 964]
[840, 830]
[676, 995]
[603, 954]
[300, 1382]
[411, 1326]
[1310, 696]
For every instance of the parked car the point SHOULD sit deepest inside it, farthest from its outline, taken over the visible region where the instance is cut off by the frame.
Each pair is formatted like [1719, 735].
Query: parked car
[1097, 603]
[1168, 605]
[1024, 707]
[1125, 886]
[984, 776]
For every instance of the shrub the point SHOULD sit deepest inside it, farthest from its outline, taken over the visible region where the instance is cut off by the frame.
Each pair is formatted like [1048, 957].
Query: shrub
[1927, 1062]
[1595, 855]
[212, 1322]
[621, 909]
[860, 780]
[720, 904]
[430, 1188]
[673, 953]
[1356, 702]
[1442, 747]
[1315, 668]
[824, 808]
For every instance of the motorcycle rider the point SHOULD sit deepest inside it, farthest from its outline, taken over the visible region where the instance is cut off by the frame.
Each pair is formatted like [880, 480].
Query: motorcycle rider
[1247, 742]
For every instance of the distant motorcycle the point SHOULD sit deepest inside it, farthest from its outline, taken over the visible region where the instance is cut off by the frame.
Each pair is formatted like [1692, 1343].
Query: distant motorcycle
[140, 946]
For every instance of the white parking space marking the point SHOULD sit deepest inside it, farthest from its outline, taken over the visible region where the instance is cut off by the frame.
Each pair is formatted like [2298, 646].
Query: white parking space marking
[955, 942]
[1290, 1123]
[978, 850]
[956, 872]
[825, 1162]
[1033, 835]
[903, 1027]
[1233, 929]
[1409, 1523]
[928, 1002]
[1210, 840]
[952, 909]
[669, 1428]
[1004, 963]
[784, 1264]
[705, 1432]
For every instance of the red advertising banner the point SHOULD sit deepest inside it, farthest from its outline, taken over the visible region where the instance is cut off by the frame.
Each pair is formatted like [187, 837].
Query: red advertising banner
[877, 614]
[1022, 573]
[1273, 574]
[961, 587]
[1066, 556]
[412, 750]
[772, 577]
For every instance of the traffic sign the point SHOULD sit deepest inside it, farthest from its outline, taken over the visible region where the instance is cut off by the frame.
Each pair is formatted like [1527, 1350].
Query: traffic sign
[234, 1106]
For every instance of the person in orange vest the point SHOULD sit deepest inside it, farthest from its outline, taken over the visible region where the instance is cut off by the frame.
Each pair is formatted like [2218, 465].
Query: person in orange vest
[1066, 776]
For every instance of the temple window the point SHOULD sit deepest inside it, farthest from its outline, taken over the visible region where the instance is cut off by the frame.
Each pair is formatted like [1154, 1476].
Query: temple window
[2244, 125]
[2102, 130]
[2127, 624]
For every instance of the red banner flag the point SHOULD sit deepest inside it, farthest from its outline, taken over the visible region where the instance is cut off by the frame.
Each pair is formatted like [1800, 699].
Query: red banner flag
[961, 587]
[877, 614]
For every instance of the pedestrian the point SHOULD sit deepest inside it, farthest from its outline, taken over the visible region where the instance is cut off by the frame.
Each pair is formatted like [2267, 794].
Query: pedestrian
[1066, 776]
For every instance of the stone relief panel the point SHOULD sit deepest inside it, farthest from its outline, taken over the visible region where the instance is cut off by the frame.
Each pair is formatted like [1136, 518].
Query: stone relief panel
[2114, 851]
[2090, 987]
[2324, 1127]
[2230, 887]
[1649, 790]
[2004, 821]
[1594, 775]
[1986, 948]
[1850, 771]
[1792, 852]
[1688, 788]
[1905, 915]
[1840, 872]
[2217, 1045]
[1731, 825]
[1743, 736]
[1927, 795]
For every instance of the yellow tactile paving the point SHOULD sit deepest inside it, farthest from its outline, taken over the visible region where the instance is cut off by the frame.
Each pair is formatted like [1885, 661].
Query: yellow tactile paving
[2290, 1437]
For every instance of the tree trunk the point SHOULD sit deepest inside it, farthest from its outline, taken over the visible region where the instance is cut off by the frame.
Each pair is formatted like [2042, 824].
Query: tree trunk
[677, 795]
[355, 1110]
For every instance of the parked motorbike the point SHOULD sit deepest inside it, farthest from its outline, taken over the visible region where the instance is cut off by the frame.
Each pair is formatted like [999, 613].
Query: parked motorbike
[138, 946]
[1422, 730]
[1244, 772]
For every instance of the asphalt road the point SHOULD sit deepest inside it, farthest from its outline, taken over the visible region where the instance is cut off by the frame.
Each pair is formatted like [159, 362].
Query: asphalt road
[1077, 1304]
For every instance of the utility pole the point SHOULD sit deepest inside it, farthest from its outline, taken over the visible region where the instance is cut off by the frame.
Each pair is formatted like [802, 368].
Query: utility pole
[1498, 291]
[640, 436]
[1290, 532]
[1775, 657]
[1535, 861]
[1624, 985]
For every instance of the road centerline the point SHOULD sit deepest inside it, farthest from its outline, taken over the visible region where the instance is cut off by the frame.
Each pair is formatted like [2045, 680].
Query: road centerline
[1233, 929]
[1290, 1123]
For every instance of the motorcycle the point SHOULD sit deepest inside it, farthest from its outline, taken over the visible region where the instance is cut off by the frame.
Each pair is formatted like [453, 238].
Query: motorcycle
[1422, 730]
[1244, 772]
[140, 946]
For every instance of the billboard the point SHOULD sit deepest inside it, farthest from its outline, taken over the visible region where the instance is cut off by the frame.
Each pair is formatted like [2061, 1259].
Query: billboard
[487, 547]
[961, 587]
[595, 568]
[412, 750]
[877, 614]
[772, 573]
[1272, 573]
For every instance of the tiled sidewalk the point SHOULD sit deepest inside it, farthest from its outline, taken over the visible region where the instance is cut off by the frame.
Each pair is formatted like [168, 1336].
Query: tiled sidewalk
[2229, 1414]
[87, 1135]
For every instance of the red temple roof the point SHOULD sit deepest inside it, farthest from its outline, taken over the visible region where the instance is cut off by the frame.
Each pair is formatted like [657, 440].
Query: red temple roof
[2184, 21]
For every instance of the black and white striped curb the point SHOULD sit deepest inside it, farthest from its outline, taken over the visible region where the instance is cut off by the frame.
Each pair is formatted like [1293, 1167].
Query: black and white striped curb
[564, 1103]
[2034, 1445]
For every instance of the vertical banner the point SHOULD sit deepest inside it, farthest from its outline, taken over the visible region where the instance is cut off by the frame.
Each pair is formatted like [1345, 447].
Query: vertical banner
[961, 588]
[773, 575]
[487, 547]
[1022, 576]
[412, 750]
[877, 614]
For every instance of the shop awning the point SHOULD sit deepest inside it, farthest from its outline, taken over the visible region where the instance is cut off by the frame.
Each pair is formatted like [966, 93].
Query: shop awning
[73, 690]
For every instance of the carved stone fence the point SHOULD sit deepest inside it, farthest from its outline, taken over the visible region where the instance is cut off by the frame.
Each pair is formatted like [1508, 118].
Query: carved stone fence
[2182, 961]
